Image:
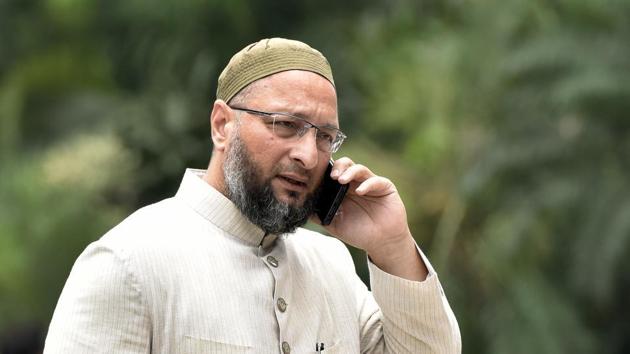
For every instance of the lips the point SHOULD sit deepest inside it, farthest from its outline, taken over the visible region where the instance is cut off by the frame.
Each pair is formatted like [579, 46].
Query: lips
[293, 182]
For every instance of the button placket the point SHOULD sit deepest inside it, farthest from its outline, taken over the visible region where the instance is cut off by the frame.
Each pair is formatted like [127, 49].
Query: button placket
[273, 260]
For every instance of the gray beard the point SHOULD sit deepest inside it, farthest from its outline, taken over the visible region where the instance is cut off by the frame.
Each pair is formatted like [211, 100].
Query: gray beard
[254, 197]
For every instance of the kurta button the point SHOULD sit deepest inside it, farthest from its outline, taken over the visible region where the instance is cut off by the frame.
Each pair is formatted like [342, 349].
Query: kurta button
[273, 261]
[282, 305]
[286, 348]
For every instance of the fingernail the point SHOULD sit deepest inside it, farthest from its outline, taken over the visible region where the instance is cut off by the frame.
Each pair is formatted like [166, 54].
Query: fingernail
[335, 173]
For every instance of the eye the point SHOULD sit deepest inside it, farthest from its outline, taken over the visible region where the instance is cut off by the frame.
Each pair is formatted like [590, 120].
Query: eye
[324, 136]
[285, 124]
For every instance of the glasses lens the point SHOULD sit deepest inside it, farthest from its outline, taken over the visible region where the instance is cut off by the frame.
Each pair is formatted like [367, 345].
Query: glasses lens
[286, 127]
[327, 139]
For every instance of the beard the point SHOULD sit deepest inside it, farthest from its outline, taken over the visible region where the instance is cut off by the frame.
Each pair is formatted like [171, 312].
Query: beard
[253, 195]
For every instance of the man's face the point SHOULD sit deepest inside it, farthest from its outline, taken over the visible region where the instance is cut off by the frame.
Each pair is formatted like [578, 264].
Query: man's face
[291, 169]
[293, 166]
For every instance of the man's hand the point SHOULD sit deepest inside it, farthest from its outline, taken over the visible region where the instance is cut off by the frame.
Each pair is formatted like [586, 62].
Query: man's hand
[372, 217]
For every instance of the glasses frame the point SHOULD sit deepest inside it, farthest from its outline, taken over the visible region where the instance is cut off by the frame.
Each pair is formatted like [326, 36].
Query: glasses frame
[334, 145]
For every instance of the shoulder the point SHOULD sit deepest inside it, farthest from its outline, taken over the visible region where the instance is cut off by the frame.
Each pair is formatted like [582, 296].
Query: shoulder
[145, 243]
[149, 232]
[149, 224]
[153, 216]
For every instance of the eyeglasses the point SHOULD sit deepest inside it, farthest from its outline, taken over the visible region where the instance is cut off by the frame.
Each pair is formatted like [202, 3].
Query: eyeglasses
[328, 139]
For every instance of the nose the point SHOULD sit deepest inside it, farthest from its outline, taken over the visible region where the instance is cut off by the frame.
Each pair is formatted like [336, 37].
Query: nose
[304, 150]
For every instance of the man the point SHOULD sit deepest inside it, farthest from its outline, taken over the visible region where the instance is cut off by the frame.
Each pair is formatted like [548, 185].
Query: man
[223, 266]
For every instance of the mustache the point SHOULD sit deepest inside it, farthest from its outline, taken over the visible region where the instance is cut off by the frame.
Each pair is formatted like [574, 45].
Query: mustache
[295, 169]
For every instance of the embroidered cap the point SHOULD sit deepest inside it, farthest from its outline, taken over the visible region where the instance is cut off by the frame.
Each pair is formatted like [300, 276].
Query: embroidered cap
[267, 57]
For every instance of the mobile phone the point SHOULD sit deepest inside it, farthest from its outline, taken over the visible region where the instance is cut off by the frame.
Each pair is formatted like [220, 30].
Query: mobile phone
[330, 197]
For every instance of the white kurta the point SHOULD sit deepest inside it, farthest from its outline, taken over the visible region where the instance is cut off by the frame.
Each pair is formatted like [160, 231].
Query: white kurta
[190, 274]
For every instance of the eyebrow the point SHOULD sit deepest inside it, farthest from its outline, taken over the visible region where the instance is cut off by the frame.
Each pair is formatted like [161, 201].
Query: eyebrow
[306, 118]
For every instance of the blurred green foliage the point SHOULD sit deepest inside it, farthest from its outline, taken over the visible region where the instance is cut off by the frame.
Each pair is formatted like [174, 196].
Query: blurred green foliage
[503, 124]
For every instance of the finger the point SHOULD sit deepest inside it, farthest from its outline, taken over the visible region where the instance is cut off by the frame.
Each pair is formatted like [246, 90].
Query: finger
[340, 166]
[375, 186]
[355, 173]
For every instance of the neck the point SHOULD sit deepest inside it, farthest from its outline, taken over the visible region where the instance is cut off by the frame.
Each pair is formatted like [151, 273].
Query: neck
[214, 175]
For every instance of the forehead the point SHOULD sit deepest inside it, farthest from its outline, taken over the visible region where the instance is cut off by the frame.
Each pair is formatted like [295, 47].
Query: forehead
[298, 92]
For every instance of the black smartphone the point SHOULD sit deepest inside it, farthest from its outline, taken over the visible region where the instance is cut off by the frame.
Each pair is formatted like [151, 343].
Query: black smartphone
[330, 197]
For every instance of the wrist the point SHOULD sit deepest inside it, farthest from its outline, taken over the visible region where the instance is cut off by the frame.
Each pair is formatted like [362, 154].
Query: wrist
[391, 249]
[400, 258]
[391, 246]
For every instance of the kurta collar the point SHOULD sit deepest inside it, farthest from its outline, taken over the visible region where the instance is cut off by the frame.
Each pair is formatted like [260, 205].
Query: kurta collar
[218, 209]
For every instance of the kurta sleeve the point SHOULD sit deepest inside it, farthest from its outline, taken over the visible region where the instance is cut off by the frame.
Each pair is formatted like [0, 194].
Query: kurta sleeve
[100, 309]
[403, 316]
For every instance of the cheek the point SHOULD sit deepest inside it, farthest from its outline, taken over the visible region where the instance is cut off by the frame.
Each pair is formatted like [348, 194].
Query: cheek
[266, 151]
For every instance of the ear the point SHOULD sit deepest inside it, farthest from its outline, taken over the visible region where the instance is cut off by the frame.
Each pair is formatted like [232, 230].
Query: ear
[221, 123]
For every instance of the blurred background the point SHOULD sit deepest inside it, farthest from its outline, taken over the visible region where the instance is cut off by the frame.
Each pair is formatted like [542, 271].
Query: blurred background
[503, 124]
